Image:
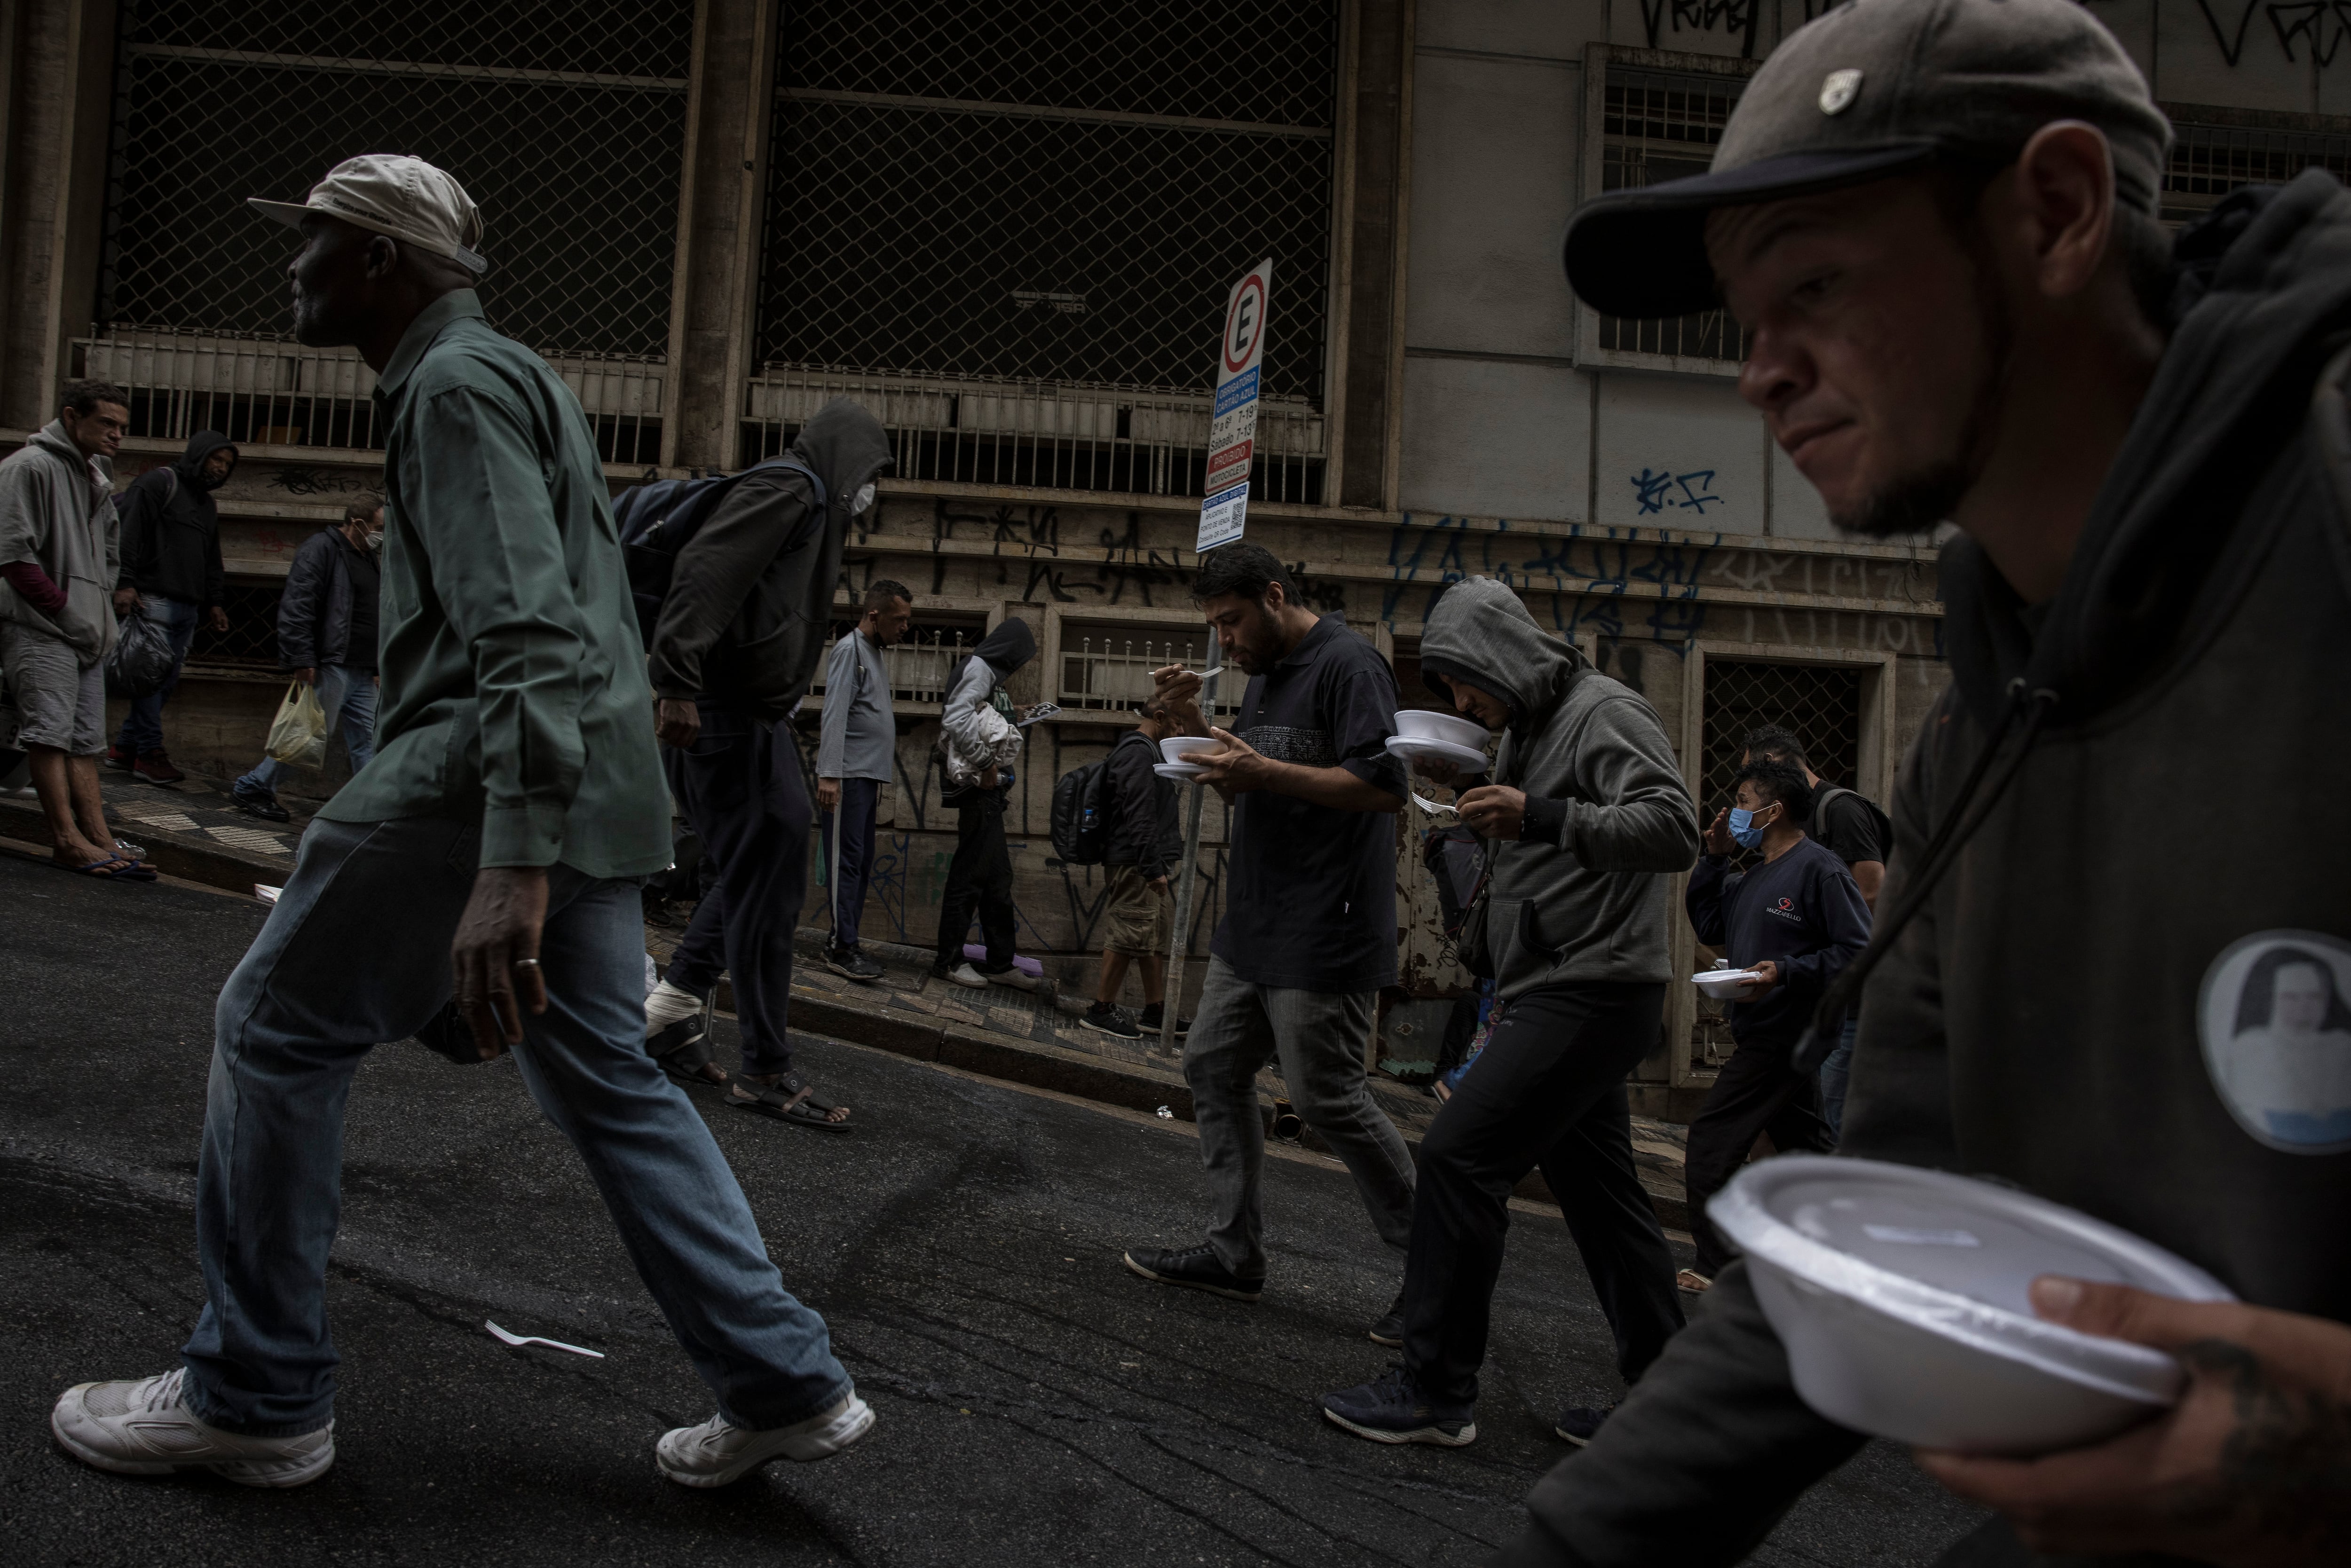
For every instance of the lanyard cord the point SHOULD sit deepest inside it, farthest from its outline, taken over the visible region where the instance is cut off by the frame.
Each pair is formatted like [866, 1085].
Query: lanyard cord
[1941, 853]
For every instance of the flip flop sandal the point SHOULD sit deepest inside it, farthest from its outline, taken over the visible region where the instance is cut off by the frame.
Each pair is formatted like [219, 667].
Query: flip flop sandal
[113, 868]
[684, 1051]
[791, 1099]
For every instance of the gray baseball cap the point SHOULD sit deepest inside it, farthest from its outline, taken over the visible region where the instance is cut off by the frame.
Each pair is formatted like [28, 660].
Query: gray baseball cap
[1870, 89]
[392, 194]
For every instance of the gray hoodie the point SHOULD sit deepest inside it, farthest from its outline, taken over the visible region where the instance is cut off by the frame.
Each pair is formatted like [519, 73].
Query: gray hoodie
[58, 512]
[1581, 895]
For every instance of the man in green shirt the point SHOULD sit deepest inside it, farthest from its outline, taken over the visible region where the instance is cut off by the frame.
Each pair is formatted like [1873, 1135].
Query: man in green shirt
[493, 846]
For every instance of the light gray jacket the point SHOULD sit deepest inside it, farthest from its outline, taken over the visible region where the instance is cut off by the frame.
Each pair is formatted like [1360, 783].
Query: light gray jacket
[58, 511]
[1580, 895]
[859, 737]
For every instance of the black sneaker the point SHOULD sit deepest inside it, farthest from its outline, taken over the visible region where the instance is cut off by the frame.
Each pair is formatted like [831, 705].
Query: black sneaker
[1155, 1014]
[259, 803]
[1389, 1329]
[1580, 1423]
[1196, 1268]
[1103, 1018]
[1390, 1409]
[852, 964]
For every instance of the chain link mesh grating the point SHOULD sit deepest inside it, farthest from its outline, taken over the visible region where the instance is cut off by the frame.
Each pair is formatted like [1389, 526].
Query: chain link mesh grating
[1048, 193]
[1819, 703]
[1657, 126]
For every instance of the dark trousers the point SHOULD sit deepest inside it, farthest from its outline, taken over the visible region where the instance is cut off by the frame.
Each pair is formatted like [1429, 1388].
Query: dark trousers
[981, 873]
[1549, 1091]
[1757, 1091]
[739, 786]
[848, 856]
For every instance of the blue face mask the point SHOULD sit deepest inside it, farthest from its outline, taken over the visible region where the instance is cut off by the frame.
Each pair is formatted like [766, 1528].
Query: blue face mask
[1743, 828]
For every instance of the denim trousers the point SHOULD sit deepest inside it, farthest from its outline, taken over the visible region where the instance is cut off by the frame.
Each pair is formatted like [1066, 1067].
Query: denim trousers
[739, 787]
[1835, 1074]
[849, 869]
[1316, 1039]
[143, 727]
[292, 1024]
[348, 696]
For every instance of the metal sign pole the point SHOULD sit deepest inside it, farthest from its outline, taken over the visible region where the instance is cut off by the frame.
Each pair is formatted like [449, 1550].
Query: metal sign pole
[1173, 995]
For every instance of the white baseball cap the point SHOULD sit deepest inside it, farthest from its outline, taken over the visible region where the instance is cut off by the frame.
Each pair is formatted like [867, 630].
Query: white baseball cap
[392, 194]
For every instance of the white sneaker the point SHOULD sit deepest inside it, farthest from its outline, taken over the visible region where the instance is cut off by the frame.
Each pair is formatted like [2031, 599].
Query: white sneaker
[963, 974]
[145, 1428]
[1018, 979]
[665, 1005]
[718, 1453]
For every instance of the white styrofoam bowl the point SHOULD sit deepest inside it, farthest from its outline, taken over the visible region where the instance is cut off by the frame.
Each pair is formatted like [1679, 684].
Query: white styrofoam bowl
[1426, 724]
[1176, 748]
[1900, 1294]
[1723, 985]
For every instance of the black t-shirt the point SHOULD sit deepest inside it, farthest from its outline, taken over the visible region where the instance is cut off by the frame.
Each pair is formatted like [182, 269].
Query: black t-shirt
[1847, 829]
[367, 581]
[1310, 902]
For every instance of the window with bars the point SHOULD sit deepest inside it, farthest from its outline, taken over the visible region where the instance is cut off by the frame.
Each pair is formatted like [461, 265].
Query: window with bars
[1656, 126]
[565, 122]
[250, 644]
[1009, 227]
[2209, 159]
[1821, 704]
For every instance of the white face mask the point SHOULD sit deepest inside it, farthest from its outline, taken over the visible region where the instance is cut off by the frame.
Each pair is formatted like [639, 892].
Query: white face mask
[863, 500]
[375, 538]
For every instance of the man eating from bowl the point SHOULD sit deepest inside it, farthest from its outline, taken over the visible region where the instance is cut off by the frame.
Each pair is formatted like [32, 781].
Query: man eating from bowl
[1936, 220]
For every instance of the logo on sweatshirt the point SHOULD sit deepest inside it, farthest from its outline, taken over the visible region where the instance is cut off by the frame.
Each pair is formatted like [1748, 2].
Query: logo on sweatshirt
[2274, 1017]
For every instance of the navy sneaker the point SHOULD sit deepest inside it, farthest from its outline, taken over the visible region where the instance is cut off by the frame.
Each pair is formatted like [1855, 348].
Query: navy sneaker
[850, 963]
[1195, 1268]
[1155, 1015]
[1390, 1409]
[261, 803]
[1579, 1424]
[1389, 1331]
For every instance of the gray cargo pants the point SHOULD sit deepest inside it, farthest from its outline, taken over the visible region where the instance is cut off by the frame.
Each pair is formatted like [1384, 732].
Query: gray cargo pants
[1317, 1038]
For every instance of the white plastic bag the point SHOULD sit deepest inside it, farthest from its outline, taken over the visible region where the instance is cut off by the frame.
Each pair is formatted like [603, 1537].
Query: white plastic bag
[297, 735]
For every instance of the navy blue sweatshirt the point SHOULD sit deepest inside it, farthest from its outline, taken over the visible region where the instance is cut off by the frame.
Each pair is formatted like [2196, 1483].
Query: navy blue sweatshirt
[1801, 911]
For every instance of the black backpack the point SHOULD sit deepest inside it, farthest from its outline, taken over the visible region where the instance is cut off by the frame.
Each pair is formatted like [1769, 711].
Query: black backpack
[1081, 813]
[659, 519]
[1884, 823]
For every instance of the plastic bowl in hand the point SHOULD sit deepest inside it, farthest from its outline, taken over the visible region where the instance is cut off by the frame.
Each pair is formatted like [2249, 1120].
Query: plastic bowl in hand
[1425, 724]
[1900, 1294]
[1176, 747]
[1723, 984]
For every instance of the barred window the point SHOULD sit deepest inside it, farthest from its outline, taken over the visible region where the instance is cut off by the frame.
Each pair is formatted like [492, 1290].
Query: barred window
[990, 220]
[2209, 160]
[1821, 704]
[1657, 126]
[564, 122]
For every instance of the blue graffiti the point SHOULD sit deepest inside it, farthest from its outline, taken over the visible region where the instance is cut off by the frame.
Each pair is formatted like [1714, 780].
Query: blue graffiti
[1655, 492]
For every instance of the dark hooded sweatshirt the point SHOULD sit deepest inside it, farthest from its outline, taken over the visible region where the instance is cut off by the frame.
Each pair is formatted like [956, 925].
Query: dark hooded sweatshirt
[749, 607]
[170, 529]
[2063, 1014]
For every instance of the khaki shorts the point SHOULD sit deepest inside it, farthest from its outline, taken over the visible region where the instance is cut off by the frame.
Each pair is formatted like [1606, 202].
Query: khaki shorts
[1139, 922]
[58, 700]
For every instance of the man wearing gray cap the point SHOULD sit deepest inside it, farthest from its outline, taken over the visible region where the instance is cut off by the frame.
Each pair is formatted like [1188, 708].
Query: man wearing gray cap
[494, 844]
[1935, 219]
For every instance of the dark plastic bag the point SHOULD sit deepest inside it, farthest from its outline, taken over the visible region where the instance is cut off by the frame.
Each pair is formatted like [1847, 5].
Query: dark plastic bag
[141, 659]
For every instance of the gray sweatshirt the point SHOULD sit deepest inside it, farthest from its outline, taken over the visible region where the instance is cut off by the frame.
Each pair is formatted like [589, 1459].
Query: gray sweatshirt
[859, 737]
[1581, 895]
[56, 510]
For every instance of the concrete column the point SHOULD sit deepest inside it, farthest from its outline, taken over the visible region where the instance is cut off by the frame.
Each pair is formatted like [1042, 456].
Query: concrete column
[722, 215]
[1371, 319]
[58, 57]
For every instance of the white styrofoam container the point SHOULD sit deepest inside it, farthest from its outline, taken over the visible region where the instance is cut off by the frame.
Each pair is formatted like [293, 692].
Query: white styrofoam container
[1176, 748]
[1723, 985]
[1901, 1295]
[1426, 724]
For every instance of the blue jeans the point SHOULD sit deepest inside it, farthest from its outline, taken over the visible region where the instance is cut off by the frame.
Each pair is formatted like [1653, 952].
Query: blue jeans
[143, 727]
[1835, 1073]
[292, 1024]
[347, 695]
[849, 836]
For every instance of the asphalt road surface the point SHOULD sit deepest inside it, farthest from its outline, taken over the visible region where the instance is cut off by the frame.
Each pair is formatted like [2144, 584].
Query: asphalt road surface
[1038, 1403]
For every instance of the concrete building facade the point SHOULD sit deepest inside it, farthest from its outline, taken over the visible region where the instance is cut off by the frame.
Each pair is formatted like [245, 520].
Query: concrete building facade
[1009, 228]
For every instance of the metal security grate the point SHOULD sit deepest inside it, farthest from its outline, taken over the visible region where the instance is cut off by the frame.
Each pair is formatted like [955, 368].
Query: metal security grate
[1819, 703]
[1657, 126]
[564, 121]
[1021, 220]
[251, 640]
[919, 666]
[2208, 161]
[1105, 668]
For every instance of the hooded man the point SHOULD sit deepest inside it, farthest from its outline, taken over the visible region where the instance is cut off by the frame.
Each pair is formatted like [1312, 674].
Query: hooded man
[1937, 219]
[1585, 820]
[979, 736]
[512, 806]
[171, 573]
[742, 628]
